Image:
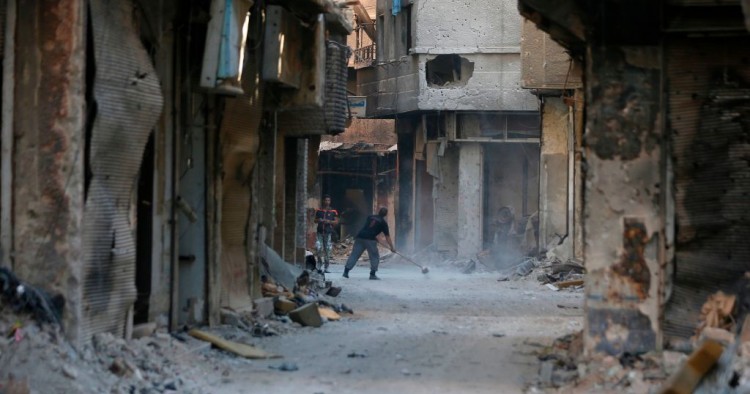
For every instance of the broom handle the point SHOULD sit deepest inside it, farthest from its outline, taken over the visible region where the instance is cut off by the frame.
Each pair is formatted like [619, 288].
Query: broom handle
[405, 258]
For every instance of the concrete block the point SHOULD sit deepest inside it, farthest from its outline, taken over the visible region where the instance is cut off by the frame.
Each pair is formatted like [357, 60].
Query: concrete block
[263, 307]
[307, 315]
[283, 306]
[143, 330]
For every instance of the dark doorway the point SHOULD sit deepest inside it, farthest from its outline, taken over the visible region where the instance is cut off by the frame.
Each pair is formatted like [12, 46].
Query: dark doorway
[144, 233]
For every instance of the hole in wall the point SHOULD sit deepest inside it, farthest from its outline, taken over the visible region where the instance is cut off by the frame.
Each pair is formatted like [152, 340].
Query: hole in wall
[448, 71]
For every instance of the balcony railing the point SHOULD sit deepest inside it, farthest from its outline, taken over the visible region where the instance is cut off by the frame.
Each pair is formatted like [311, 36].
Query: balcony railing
[364, 56]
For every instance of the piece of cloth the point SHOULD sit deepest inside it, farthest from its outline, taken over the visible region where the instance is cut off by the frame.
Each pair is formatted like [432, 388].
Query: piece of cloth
[323, 249]
[374, 225]
[326, 214]
[360, 245]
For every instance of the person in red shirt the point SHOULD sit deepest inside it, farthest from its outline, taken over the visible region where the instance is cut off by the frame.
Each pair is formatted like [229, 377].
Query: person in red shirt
[327, 218]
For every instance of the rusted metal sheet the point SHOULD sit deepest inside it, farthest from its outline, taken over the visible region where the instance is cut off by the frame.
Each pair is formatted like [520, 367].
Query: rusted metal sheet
[129, 102]
[709, 107]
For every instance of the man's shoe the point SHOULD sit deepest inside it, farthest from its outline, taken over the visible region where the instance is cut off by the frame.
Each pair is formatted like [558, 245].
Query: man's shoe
[346, 274]
[327, 271]
[374, 277]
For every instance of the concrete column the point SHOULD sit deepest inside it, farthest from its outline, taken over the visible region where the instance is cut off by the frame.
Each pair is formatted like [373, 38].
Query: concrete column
[446, 204]
[553, 174]
[622, 216]
[405, 127]
[470, 189]
[301, 217]
[48, 191]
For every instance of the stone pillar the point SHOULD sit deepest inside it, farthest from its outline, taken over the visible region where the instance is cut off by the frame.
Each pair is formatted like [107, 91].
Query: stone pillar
[49, 146]
[622, 214]
[405, 127]
[553, 174]
[470, 202]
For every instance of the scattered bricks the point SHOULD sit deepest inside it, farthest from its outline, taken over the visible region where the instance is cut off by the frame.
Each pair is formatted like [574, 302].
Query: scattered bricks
[720, 335]
[263, 307]
[282, 306]
[307, 315]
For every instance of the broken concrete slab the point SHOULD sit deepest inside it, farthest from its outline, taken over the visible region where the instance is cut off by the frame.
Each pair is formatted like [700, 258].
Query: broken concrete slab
[282, 306]
[307, 315]
[263, 307]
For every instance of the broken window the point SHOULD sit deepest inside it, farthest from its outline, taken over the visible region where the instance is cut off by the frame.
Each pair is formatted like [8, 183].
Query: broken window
[448, 70]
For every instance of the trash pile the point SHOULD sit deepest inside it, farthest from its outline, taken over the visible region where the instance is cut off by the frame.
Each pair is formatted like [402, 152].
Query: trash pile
[717, 359]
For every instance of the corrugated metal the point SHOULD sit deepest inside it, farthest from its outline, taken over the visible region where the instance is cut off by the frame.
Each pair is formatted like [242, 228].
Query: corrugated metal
[337, 56]
[331, 119]
[128, 101]
[709, 107]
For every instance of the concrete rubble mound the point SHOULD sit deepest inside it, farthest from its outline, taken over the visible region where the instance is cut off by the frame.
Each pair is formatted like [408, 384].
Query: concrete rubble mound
[715, 360]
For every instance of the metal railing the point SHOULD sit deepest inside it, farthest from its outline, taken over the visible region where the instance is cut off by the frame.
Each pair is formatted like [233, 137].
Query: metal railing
[364, 56]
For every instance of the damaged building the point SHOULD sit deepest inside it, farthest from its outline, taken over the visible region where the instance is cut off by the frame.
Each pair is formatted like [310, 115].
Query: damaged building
[468, 134]
[665, 152]
[151, 151]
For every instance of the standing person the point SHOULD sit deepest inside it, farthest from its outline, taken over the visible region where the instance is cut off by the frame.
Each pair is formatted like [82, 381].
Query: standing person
[326, 218]
[367, 239]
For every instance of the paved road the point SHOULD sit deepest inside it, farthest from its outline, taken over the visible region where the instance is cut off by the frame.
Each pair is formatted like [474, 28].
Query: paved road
[443, 332]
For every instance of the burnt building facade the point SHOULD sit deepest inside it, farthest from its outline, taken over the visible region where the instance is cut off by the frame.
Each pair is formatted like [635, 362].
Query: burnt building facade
[665, 153]
[151, 151]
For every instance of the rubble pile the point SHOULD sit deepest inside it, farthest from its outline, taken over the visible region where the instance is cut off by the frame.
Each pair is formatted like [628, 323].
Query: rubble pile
[718, 360]
[35, 357]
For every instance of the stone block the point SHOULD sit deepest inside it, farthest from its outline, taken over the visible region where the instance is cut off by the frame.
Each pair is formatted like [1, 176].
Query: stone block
[282, 306]
[307, 315]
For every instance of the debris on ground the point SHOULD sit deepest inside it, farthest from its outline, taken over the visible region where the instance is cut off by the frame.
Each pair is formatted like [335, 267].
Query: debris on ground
[719, 363]
[237, 348]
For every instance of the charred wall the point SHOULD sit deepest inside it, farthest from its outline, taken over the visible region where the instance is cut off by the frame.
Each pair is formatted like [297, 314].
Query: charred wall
[48, 149]
[623, 202]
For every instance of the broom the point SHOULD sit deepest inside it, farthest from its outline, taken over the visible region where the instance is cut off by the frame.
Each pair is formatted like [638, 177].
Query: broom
[425, 270]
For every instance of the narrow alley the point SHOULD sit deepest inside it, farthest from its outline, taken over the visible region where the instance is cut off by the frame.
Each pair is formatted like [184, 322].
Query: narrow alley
[444, 332]
[375, 196]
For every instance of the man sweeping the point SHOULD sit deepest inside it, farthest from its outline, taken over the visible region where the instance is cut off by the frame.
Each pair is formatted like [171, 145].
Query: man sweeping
[367, 240]
[326, 218]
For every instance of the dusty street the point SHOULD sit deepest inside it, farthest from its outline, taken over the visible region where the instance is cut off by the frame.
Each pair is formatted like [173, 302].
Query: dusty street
[440, 333]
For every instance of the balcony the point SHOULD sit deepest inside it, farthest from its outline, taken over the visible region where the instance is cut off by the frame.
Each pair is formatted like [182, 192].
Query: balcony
[364, 56]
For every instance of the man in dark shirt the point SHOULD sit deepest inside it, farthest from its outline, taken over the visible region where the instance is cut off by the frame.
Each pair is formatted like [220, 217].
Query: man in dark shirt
[367, 240]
